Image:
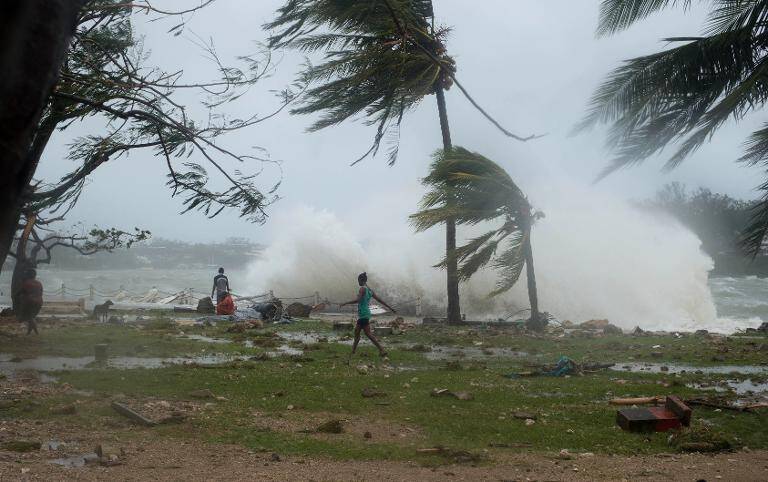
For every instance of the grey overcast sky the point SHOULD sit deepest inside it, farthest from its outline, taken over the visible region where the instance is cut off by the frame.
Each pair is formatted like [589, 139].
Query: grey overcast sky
[532, 64]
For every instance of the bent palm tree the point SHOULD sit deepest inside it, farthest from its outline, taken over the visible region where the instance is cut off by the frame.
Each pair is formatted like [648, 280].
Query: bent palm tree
[684, 94]
[382, 57]
[472, 189]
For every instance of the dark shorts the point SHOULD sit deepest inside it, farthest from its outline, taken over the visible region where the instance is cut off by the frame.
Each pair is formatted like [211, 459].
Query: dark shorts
[28, 311]
[363, 322]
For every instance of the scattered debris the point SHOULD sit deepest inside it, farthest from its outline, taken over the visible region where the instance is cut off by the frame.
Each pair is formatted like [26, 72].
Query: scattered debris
[564, 367]
[444, 392]
[109, 451]
[202, 394]
[173, 418]
[331, 426]
[610, 329]
[298, 310]
[274, 457]
[205, 306]
[456, 456]
[594, 325]
[673, 414]
[524, 416]
[132, 414]
[369, 392]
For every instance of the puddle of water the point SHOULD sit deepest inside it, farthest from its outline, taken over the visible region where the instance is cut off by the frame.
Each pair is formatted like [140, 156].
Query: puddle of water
[310, 338]
[46, 363]
[745, 387]
[53, 445]
[75, 461]
[441, 353]
[206, 339]
[285, 350]
[676, 368]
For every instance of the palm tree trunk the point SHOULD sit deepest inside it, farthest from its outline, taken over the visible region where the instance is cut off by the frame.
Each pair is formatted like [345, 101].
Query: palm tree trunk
[452, 268]
[533, 296]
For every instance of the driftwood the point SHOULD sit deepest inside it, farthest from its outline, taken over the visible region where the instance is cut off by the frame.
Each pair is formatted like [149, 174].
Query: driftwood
[693, 401]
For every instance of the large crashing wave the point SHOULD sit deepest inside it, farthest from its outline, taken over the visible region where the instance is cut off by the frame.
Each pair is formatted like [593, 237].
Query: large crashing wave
[595, 257]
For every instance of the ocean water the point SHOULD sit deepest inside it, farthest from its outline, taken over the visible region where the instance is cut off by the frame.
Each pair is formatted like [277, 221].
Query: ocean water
[740, 298]
[739, 302]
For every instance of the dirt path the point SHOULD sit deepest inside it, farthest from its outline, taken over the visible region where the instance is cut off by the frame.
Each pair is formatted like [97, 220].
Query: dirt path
[148, 459]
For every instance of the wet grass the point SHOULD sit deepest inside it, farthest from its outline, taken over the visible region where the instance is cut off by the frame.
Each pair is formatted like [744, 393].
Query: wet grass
[571, 413]
[158, 339]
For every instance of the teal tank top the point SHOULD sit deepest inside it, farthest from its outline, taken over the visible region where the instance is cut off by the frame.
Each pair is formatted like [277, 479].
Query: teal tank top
[363, 306]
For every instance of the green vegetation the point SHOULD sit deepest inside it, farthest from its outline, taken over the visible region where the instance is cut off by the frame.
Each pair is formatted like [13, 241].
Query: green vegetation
[276, 404]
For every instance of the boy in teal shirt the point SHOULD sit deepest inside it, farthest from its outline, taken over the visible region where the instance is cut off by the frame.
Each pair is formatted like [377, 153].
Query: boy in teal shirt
[363, 301]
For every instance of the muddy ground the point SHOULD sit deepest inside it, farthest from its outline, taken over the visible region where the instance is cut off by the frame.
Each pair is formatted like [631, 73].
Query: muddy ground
[146, 458]
[257, 416]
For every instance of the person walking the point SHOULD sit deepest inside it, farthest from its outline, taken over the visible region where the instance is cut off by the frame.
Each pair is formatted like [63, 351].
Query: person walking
[220, 286]
[364, 296]
[30, 298]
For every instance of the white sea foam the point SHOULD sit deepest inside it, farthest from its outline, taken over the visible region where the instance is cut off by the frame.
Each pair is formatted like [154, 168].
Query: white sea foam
[595, 257]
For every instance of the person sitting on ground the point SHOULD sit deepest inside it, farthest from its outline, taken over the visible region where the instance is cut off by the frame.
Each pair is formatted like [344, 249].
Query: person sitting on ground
[363, 301]
[30, 297]
[220, 286]
[226, 306]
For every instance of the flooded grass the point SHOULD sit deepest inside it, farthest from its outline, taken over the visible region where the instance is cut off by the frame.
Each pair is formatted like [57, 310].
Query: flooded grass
[300, 370]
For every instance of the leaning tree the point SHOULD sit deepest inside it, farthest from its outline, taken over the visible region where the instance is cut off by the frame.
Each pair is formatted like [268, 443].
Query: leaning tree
[474, 190]
[684, 94]
[106, 77]
[382, 58]
[37, 242]
[34, 35]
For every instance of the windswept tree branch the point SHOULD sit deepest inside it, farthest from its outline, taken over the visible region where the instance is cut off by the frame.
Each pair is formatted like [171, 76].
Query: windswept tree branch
[450, 72]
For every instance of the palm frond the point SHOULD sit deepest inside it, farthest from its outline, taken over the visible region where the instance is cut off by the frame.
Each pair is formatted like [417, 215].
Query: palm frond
[471, 189]
[616, 15]
[731, 15]
[509, 264]
[371, 69]
[681, 94]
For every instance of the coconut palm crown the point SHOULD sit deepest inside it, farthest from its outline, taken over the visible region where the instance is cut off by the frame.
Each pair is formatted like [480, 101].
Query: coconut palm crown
[684, 94]
[379, 59]
[472, 189]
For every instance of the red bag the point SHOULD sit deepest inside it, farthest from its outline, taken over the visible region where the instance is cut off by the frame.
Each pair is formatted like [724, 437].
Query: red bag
[226, 306]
